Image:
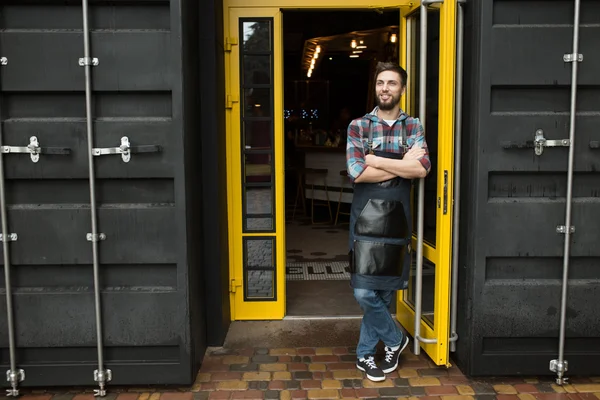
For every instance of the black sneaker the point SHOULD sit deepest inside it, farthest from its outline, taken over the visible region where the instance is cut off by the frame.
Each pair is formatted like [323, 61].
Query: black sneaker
[390, 361]
[373, 372]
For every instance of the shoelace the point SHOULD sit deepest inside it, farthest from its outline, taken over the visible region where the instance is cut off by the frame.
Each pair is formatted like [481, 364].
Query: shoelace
[389, 354]
[370, 362]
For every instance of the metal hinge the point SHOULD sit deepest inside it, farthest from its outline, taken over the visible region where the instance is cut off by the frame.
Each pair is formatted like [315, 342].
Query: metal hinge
[83, 61]
[540, 142]
[234, 284]
[12, 237]
[95, 238]
[125, 150]
[3, 61]
[563, 229]
[573, 57]
[230, 100]
[34, 149]
[229, 42]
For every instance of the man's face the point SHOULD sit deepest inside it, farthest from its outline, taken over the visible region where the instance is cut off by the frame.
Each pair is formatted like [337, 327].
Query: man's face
[388, 89]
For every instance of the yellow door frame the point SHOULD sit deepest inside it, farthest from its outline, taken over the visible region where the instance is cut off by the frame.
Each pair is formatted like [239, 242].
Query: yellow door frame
[440, 255]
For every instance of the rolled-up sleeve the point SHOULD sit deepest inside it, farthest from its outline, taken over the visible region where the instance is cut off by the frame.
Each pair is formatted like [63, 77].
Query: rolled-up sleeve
[421, 142]
[355, 153]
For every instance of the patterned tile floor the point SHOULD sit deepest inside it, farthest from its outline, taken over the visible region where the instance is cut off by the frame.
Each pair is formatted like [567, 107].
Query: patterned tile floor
[329, 373]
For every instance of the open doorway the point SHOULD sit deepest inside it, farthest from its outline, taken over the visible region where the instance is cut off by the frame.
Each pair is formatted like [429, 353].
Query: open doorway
[319, 103]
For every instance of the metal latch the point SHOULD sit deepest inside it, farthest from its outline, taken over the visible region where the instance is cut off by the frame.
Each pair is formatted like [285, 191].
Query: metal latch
[14, 377]
[540, 142]
[3, 61]
[125, 150]
[573, 57]
[102, 377]
[559, 368]
[11, 237]
[34, 149]
[83, 61]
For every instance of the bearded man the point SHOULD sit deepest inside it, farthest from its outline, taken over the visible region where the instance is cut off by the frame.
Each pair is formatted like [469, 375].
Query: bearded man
[386, 149]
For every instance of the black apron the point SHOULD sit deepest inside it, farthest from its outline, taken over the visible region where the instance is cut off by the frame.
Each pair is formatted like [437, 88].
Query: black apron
[381, 224]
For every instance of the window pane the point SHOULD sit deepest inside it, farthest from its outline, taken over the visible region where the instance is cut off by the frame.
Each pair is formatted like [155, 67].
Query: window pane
[259, 209]
[257, 103]
[257, 168]
[257, 36]
[428, 289]
[260, 268]
[260, 284]
[257, 70]
[432, 200]
[257, 135]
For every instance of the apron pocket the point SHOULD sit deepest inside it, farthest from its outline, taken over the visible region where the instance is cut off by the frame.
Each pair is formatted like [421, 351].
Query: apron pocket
[382, 218]
[377, 258]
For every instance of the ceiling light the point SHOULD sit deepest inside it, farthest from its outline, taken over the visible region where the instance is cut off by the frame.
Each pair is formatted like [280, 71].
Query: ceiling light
[318, 49]
[353, 55]
[393, 38]
[353, 44]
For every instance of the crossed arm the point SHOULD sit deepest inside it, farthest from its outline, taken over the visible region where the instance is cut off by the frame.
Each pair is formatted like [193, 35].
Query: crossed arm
[371, 168]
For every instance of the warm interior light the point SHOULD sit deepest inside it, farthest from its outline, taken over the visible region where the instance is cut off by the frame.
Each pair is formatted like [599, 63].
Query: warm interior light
[353, 44]
[353, 55]
[393, 38]
[318, 49]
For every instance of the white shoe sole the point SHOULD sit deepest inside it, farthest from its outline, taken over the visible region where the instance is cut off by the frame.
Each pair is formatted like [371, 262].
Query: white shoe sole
[392, 369]
[371, 378]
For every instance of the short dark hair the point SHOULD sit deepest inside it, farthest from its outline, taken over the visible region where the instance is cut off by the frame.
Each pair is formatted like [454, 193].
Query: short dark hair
[388, 66]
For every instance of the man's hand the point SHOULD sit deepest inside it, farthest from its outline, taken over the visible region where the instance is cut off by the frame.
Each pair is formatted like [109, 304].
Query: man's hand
[372, 161]
[415, 153]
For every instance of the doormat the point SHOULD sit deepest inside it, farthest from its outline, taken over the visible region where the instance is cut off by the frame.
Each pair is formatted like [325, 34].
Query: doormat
[318, 271]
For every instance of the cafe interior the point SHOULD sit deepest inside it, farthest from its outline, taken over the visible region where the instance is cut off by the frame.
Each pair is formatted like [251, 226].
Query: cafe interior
[329, 62]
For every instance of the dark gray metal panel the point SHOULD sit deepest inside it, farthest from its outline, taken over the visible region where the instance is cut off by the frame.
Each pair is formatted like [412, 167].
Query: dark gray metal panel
[138, 92]
[130, 61]
[514, 272]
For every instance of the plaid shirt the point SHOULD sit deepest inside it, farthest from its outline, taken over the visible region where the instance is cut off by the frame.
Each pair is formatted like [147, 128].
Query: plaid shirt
[385, 138]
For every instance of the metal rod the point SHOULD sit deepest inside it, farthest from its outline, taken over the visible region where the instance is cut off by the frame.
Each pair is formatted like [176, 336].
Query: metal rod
[13, 374]
[565, 282]
[100, 374]
[421, 196]
[457, 170]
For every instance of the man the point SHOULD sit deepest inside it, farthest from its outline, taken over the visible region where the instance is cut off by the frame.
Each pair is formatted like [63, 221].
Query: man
[386, 149]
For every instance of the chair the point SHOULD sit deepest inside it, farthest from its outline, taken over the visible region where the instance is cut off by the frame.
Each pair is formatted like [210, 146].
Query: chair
[344, 175]
[315, 174]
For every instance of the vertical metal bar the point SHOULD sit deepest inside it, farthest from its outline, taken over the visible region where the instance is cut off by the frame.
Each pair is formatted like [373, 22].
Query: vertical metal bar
[100, 375]
[421, 193]
[561, 367]
[457, 170]
[13, 375]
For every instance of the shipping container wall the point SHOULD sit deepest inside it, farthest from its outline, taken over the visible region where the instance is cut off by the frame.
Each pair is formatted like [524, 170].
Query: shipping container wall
[152, 303]
[512, 255]
[214, 171]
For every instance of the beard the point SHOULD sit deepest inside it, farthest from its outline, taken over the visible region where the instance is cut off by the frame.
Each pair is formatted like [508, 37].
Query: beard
[389, 104]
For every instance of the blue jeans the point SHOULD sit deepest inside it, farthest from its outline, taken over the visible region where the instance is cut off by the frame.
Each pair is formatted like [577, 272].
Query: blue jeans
[377, 323]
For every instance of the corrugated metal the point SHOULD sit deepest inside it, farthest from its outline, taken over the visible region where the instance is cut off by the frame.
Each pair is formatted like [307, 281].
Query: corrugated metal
[512, 260]
[138, 93]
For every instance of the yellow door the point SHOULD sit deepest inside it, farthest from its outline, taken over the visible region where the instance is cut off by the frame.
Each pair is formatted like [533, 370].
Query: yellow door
[254, 103]
[424, 308]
